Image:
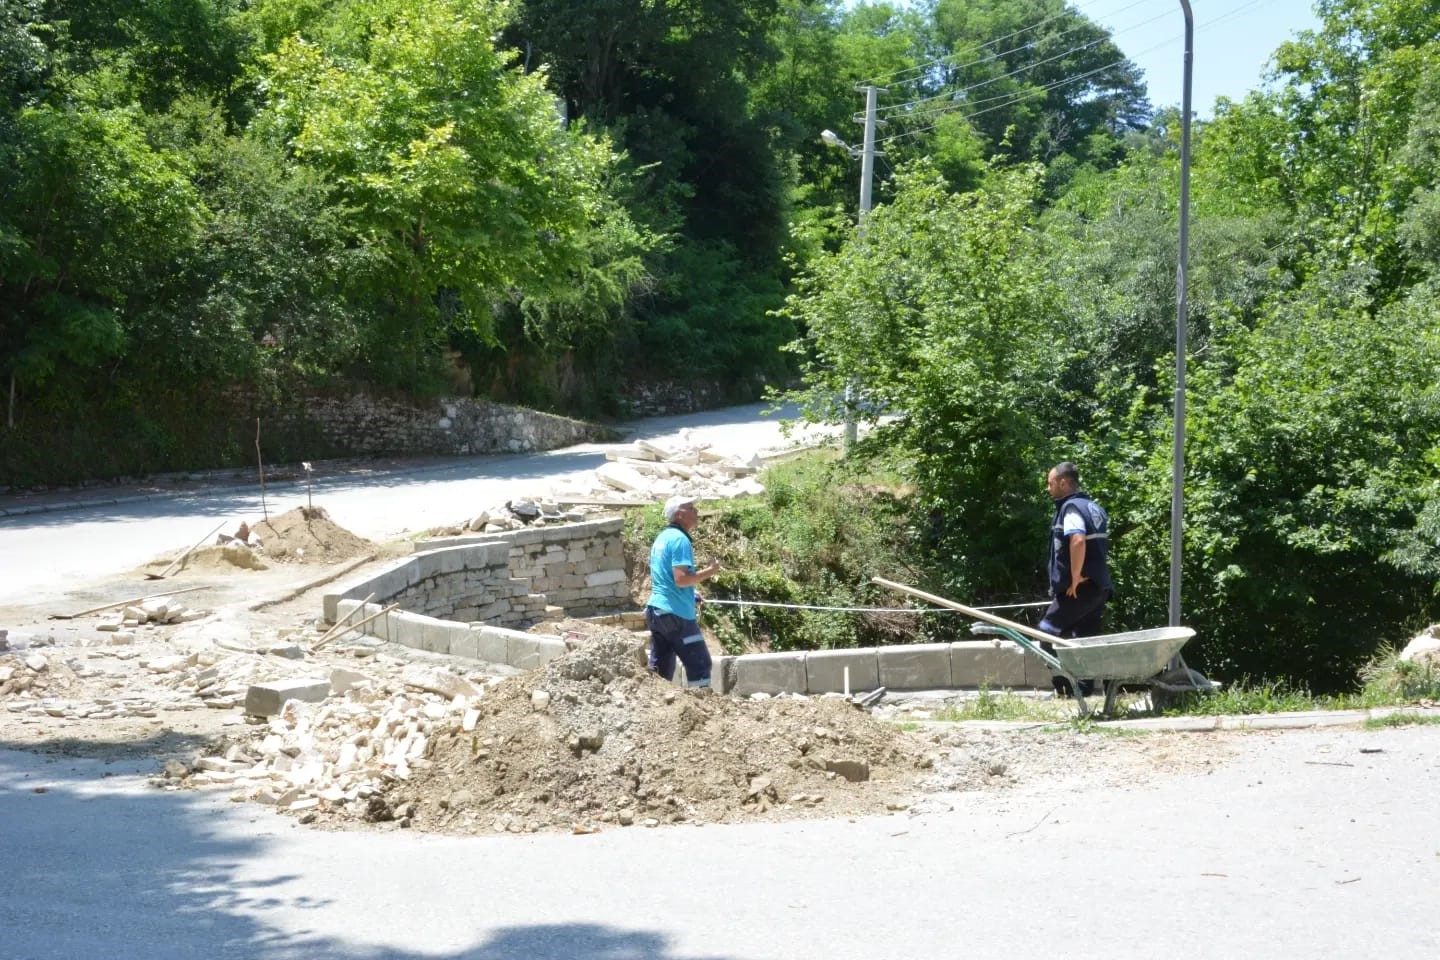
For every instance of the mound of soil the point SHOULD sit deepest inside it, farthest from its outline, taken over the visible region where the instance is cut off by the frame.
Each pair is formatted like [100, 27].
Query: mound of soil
[593, 738]
[308, 535]
[218, 557]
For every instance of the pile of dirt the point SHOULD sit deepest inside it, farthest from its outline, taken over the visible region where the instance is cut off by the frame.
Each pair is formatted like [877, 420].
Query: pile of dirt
[308, 535]
[302, 535]
[593, 739]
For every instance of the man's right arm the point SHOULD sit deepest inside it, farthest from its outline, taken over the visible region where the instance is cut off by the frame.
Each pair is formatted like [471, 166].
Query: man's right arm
[684, 577]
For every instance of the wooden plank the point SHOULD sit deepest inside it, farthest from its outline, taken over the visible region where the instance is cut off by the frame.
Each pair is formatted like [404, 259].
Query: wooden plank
[123, 603]
[1019, 628]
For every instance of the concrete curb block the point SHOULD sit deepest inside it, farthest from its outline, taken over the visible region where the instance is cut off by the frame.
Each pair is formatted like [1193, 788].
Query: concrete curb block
[825, 670]
[967, 664]
[476, 641]
[918, 666]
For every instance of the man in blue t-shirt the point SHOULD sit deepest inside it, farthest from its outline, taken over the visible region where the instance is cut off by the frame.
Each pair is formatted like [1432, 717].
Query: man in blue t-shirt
[670, 611]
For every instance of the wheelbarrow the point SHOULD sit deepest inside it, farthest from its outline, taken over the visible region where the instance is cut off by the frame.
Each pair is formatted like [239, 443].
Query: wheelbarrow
[1136, 656]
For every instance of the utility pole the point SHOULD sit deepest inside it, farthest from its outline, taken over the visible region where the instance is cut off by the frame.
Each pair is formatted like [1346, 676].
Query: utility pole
[867, 176]
[1177, 480]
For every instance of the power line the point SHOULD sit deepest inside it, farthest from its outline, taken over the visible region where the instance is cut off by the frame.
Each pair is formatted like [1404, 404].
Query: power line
[1029, 94]
[891, 79]
[1025, 95]
[951, 94]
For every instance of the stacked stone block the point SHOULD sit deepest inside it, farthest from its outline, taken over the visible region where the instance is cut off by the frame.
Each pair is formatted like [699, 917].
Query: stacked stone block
[925, 666]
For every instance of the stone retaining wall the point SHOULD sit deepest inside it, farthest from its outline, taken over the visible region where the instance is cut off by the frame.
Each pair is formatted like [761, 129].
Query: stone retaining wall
[367, 424]
[464, 595]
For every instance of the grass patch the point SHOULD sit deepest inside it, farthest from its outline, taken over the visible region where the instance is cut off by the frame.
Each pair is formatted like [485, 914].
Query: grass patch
[1402, 719]
[1386, 679]
[1008, 705]
[1250, 696]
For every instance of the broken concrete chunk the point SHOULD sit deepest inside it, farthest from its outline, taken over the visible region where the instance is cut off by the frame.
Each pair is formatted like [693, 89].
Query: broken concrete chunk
[622, 478]
[438, 681]
[341, 680]
[165, 664]
[267, 699]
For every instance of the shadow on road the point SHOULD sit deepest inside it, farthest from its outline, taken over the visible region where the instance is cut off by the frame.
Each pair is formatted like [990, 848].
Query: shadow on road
[96, 865]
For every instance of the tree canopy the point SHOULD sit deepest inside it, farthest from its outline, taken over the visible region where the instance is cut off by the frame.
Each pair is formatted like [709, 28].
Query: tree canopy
[549, 202]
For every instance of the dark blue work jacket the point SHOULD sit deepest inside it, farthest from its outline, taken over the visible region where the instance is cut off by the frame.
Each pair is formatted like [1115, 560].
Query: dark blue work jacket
[1097, 544]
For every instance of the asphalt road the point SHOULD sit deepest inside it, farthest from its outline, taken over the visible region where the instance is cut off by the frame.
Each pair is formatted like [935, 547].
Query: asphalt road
[1319, 843]
[44, 554]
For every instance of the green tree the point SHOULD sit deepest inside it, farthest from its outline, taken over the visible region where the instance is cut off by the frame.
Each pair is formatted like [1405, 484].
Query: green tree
[943, 313]
[1035, 78]
[92, 216]
[462, 190]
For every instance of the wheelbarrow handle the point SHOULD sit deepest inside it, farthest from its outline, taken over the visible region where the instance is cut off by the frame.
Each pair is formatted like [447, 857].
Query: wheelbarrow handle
[1020, 628]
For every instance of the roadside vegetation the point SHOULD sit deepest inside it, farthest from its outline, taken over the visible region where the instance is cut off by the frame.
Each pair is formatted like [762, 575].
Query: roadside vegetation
[212, 209]
[826, 525]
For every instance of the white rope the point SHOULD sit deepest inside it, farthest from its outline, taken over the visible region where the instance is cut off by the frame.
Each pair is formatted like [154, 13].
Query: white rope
[804, 606]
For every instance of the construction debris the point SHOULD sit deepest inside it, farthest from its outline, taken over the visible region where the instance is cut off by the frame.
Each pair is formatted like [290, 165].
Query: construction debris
[634, 475]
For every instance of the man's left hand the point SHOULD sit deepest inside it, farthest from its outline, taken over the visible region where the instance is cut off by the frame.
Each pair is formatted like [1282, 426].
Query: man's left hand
[1075, 586]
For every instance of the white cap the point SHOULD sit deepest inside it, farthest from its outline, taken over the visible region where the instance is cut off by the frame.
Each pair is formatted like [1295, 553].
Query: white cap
[673, 505]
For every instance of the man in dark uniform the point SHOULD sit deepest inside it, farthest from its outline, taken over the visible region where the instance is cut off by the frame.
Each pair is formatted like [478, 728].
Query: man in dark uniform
[1079, 570]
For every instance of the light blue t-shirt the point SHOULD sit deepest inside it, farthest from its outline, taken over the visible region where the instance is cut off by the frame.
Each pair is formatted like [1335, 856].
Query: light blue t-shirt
[671, 549]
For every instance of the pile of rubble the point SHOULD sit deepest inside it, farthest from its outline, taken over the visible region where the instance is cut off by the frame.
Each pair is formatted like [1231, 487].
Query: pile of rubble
[155, 611]
[636, 474]
[589, 740]
[651, 471]
[334, 744]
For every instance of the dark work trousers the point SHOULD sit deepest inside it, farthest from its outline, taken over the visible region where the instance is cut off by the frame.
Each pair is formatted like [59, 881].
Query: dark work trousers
[673, 638]
[1079, 616]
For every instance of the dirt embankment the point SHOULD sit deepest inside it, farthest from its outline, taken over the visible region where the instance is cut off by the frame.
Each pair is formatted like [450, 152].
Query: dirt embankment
[592, 739]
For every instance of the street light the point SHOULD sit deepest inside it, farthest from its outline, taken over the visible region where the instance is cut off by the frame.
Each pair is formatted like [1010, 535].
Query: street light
[867, 174]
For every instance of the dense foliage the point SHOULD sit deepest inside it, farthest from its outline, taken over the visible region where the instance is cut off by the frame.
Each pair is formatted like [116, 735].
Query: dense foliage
[1037, 332]
[535, 200]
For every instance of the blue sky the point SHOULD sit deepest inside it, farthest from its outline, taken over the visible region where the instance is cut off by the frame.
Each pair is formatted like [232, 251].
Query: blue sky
[1233, 41]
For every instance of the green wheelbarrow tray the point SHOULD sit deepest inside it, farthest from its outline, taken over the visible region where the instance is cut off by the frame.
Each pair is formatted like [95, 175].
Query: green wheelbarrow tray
[1128, 657]
[1135, 656]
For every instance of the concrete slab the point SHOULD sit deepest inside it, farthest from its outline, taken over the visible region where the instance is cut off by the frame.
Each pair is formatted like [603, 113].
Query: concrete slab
[984, 663]
[465, 644]
[1297, 720]
[526, 651]
[919, 666]
[825, 670]
[1169, 724]
[765, 673]
[404, 628]
[440, 636]
[267, 699]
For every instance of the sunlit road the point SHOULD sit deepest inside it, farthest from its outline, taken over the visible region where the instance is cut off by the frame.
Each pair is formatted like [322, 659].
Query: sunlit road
[43, 553]
[1309, 844]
